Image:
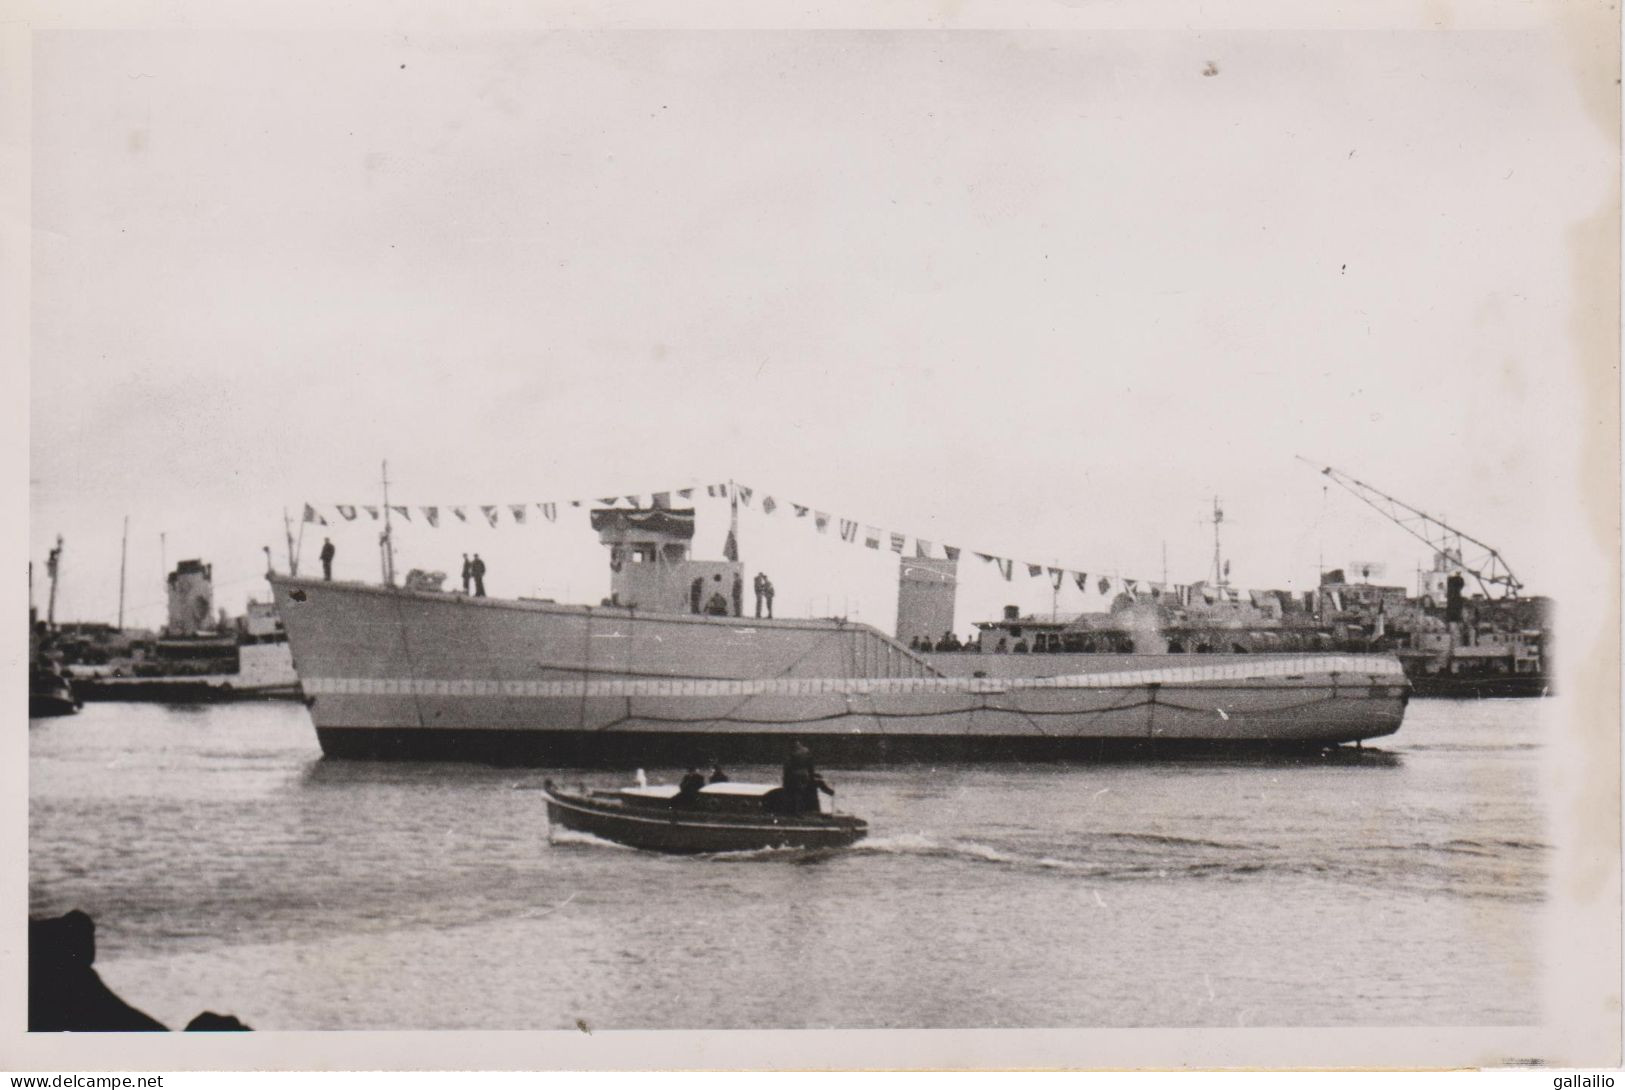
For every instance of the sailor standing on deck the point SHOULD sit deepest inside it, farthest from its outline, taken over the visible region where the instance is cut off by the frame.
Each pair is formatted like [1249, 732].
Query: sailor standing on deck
[477, 570]
[739, 595]
[327, 558]
[760, 584]
[468, 572]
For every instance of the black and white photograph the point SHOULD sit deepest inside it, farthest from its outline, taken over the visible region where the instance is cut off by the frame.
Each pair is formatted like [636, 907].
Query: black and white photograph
[1077, 536]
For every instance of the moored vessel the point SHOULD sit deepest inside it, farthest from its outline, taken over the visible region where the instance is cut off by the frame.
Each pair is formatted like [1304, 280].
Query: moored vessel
[49, 693]
[651, 679]
[197, 657]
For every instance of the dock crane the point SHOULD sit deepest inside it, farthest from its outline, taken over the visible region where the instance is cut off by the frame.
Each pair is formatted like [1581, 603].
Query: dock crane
[1487, 566]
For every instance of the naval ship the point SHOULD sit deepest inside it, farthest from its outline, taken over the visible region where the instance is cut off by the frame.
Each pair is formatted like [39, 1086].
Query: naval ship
[652, 678]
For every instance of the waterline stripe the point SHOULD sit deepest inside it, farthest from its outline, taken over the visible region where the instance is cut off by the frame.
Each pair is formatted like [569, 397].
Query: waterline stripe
[1313, 673]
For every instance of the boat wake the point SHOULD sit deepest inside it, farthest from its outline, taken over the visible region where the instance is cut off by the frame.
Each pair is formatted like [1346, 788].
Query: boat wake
[570, 838]
[924, 845]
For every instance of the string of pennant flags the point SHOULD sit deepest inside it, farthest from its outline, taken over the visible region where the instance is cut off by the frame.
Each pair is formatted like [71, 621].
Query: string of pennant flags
[850, 531]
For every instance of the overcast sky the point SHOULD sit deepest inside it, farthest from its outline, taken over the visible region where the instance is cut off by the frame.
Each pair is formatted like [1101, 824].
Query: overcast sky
[1042, 295]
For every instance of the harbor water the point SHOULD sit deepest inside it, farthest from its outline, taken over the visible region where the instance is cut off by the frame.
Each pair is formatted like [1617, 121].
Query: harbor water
[230, 867]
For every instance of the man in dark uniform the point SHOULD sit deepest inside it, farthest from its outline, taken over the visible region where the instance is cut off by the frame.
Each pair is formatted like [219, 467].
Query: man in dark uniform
[477, 570]
[760, 584]
[767, 590]
[468, 572]
[695, 589]
[688, 789]
[327, 558]
[739, 595]
[802, 781]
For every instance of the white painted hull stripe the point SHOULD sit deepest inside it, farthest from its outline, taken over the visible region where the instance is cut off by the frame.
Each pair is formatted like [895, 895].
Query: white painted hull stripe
[1318, 672]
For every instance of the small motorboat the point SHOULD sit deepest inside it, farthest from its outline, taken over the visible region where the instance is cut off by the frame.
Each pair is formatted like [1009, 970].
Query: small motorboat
[720, 817]
[49, 693]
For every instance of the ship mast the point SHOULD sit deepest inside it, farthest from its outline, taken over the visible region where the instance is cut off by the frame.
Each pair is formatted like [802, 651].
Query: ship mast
[53, 565]
[123, 562]
[1219, 574]
[293, 553]
[386, 540]
[733, 522]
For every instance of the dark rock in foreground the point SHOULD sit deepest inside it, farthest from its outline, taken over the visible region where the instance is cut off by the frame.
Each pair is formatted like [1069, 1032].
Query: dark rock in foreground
[66, 994]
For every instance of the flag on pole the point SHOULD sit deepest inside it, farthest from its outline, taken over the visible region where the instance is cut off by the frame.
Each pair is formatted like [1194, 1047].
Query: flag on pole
[744, 494]
[490, 514]
[661, 500]
[1006, 567]
[1104, 585]
[1055, 577]
[715, 490]
[1034, 570]
[518, 510]
[312, 516]
[634, 501]
[404, 512]
[801, 510]
[897, 542]
[769, 505]
[849, 530]
[432, 515]
[348, 511]
[550, 511]
[821, 520]
[951, 552]
[871, 536]
[373, 511]
[730, 547]
[462, 515]
[685, 493]
[922, 548]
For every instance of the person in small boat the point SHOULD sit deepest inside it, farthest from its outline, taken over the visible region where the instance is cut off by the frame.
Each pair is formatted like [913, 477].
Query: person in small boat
[802, 782]
[688, 789]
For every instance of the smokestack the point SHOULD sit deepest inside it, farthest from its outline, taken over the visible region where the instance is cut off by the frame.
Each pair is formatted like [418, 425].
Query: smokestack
[1452, 607]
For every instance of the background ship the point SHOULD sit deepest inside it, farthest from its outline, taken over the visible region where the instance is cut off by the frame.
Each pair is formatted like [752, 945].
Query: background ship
[198, 656]
[647, 679]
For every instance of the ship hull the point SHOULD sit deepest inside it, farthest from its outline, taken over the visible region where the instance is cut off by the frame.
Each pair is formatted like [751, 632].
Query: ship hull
[396, 674]
[1468, 687]
[672, 749]
[193, 690]
[265, 672]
